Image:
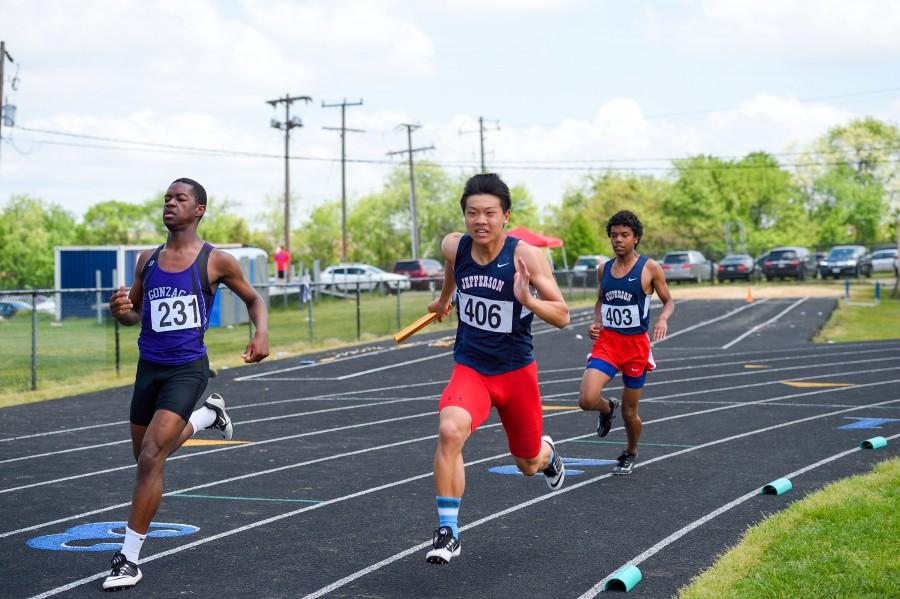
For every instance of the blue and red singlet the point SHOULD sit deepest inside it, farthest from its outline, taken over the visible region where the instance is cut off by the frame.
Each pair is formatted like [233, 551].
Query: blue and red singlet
[626, 308]
[176, 310]
[494, 332]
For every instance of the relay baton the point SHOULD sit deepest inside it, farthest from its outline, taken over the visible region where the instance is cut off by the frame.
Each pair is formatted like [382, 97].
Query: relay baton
[415, 327]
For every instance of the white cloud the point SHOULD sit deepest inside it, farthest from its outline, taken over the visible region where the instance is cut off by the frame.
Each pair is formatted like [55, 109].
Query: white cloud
[826, 30]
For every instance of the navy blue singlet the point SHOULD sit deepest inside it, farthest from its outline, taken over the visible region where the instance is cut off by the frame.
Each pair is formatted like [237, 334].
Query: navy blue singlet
[626, 308]
[176, 311]
[494, 332]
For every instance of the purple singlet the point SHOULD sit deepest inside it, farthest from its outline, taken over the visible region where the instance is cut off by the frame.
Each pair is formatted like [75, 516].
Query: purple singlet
[176, 311]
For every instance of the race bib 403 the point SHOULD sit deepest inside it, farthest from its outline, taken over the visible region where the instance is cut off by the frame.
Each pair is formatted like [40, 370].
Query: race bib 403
[175, 313]
[486, 314]
[621, 317]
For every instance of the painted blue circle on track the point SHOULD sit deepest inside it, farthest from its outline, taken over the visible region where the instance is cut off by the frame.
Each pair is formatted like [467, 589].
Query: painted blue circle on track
[103, 531]
[513, 470]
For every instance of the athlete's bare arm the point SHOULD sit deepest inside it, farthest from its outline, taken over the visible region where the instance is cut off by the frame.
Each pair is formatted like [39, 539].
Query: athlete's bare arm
[657, 282]
[224, 268]
[533, 269]
[595, 327]
[443, 304]
[126, 306]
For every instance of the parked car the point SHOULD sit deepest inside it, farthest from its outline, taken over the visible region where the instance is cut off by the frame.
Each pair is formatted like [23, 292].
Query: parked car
[420, 271]
[586, 266]
[344, 277]
[794, 262]
[878, 261]
[686, 265]
[842, 260]
[735, 266]
[9, 307]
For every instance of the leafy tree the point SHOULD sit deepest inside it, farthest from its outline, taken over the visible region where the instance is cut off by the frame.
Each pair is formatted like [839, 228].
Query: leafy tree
[29, 232]
[319, 238]
[851, 180]
[114, 222]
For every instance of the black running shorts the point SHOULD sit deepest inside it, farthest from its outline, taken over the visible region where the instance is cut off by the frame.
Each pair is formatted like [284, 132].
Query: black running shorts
[173, 388]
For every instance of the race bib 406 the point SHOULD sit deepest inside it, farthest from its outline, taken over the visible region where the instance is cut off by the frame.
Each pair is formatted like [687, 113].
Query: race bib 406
[485, 314]
[175, 313]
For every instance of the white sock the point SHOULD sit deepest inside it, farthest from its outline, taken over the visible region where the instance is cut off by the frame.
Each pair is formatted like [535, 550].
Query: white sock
[201, 418]
[131, 548]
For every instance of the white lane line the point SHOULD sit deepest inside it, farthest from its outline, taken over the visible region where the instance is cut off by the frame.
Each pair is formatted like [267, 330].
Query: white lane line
[220, 449]
[745, 372]
[431, 398]
[798, 352]
[498, 456]
[643, 556]
[371, 353]
[766, 323]
[385, 401]
[368, 570]
[709, 322]
[382, 563]
[378, 402]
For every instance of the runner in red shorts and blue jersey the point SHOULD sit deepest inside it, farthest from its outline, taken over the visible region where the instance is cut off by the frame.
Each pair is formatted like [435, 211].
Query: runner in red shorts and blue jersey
[490, 275]
[619, 331]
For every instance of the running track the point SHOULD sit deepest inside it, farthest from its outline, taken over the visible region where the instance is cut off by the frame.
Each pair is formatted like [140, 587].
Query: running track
[330, 494]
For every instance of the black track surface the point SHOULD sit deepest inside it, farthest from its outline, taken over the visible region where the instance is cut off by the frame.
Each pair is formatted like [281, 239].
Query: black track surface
[333, 488]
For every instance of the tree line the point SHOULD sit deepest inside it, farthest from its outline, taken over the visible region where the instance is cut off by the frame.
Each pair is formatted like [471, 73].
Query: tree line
[842, 188]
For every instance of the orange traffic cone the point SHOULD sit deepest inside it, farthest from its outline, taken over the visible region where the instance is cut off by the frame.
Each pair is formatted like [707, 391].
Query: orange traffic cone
[749, 295]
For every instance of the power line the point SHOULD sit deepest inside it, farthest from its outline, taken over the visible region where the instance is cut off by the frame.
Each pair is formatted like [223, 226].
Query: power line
[343, 129]
[413, 225]
[288, 124]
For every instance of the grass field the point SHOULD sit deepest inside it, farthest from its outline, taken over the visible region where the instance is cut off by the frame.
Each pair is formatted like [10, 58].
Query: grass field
[863, 323]
[838, 542]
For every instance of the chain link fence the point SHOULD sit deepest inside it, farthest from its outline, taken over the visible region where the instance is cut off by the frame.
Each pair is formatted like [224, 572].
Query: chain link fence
[66, 337]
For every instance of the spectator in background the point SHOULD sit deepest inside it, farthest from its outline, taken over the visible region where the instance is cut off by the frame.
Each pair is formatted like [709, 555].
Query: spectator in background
[282, 262]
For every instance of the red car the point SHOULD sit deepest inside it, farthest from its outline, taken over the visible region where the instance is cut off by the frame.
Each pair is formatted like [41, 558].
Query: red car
[421, 272]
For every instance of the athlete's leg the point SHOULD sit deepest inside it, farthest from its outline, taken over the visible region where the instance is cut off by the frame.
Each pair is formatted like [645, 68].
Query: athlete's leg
[159, 441]
[449, 472]
[590, 397]
[630, 398]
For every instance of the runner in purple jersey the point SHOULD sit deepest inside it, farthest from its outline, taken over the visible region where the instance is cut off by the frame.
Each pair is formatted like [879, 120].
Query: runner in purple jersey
[172, 295]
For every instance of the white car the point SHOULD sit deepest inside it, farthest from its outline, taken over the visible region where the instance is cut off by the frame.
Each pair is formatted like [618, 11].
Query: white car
[588, 264]
[344, 277]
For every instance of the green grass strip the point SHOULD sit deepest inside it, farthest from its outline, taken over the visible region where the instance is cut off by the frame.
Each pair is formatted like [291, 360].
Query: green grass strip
[841, 541]
[863, 323]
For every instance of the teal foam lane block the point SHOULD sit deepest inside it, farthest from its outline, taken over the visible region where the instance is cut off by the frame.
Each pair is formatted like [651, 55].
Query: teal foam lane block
[873, 443]
[623, 579]
[777, 487]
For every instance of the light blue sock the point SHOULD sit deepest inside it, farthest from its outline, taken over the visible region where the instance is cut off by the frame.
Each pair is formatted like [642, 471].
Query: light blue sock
[448, 511]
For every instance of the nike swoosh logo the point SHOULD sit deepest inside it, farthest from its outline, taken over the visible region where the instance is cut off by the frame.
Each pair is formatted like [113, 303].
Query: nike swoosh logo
[630, 279]
[502, 265]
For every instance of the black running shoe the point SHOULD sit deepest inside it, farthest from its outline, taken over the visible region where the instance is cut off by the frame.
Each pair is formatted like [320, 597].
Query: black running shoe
[555, 472]
[443, 546]
[216, 403]
[626, 463]
[124, 574]
[605, 421]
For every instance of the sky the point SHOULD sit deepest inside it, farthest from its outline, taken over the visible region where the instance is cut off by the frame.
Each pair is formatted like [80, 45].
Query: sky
[566, 88]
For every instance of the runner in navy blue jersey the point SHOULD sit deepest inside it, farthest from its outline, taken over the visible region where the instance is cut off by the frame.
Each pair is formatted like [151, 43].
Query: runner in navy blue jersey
[172, 296]
[619, 330]
[490, 274]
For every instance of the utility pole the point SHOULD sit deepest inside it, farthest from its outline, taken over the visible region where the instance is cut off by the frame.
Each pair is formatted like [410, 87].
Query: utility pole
[343, 129]
[481, 130]
[3, 56]
[288, 124]
[413, 223]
